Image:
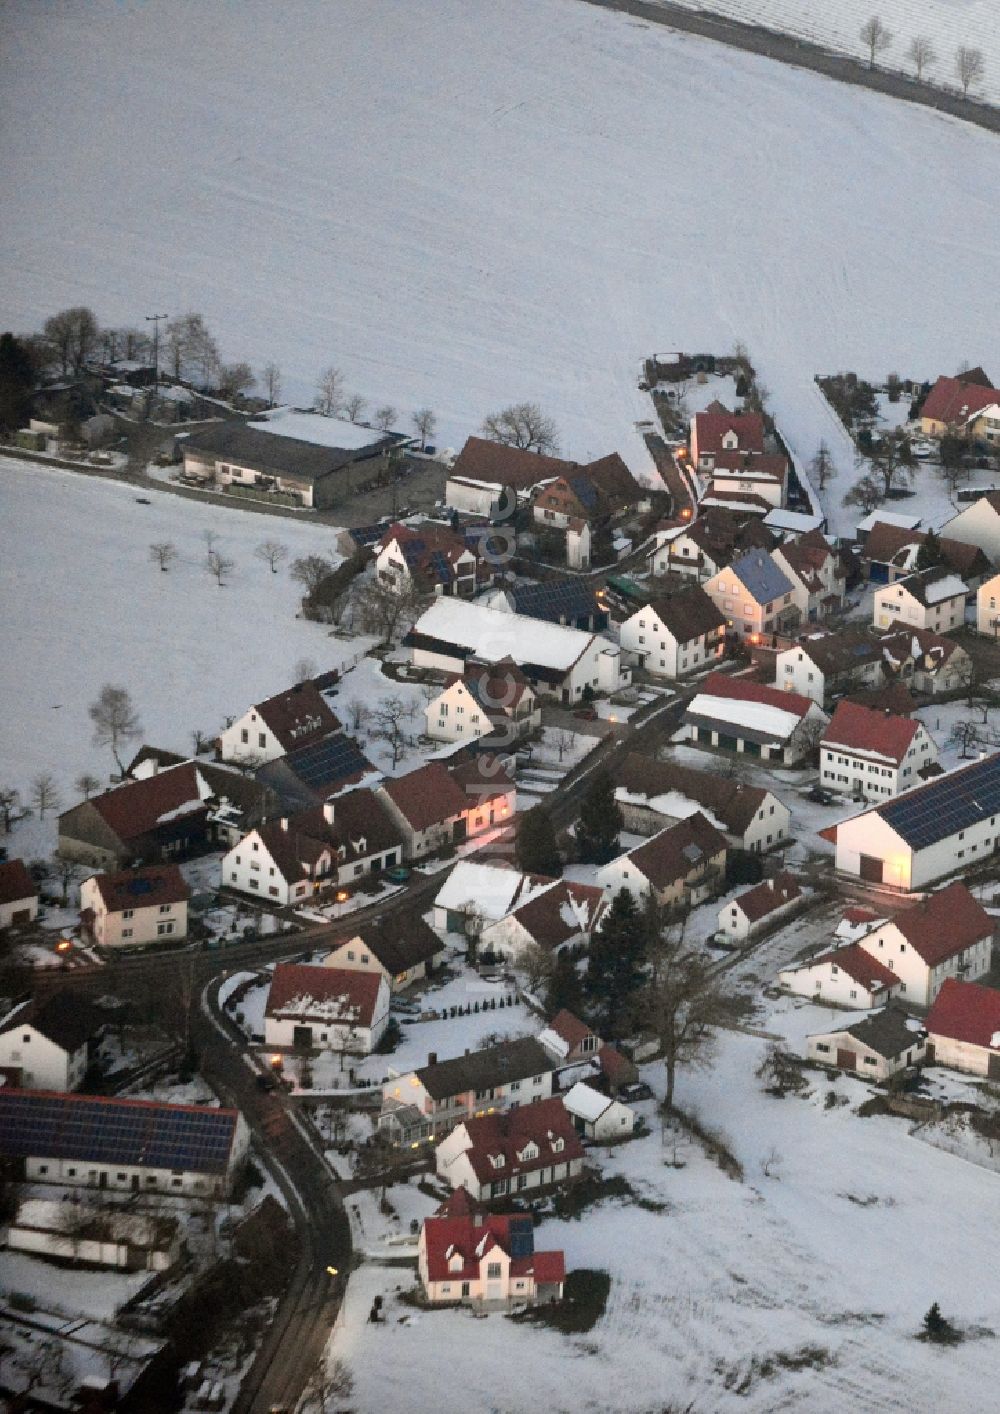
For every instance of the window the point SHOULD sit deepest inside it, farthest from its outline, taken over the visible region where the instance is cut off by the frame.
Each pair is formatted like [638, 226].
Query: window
[871, 1060]
[465, 1288]
[126, 932]
[164, 929]
[493, 1271]
[822, 1047]
[164, 907]
[129, 912]
[261, 739]
[245, 736]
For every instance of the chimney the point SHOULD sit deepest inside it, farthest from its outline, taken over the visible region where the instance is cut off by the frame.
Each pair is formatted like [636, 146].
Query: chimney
[432, 1057]
[329, 811]
[284, 823]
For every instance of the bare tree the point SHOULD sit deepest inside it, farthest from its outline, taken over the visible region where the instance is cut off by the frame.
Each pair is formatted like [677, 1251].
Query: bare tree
[385, 416]
[357, 714]
[310, 571]
[163, 553]
[329, 1385]
[921, 54]
[807, 737]
[564, 741]
[537, 964]
[10, 801]
[970, 66]
[115, 720]
[273, 553]
[875, 37]
[191, 349]
[270, 380]
[219, 566]
[382, 607]
[424, 422]
[966, 734]
[66, 871]
[200, 741]
[388, 719]
[86, 784]
[521, 425]
[330, 391]
[72, 333]
[681, 1004]
[354, 407]
[42, 1363]
[44, 793]
[304, 671]
[821, 466]
[891, 464]
[235, 378]
[866, 493]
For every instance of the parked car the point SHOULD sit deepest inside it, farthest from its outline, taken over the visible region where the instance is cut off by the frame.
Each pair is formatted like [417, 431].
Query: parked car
[399, 875]
[639, 1091]
[267, 1081]
[820, 796]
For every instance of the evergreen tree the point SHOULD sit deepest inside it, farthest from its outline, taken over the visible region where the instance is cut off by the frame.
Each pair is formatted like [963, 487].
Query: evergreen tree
[565, 990]
[930, 554]
[16, 382]
[536, 850]
[600, 822]
[614, 971]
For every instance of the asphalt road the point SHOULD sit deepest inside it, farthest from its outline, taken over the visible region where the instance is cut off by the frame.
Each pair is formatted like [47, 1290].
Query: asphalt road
[754, 39]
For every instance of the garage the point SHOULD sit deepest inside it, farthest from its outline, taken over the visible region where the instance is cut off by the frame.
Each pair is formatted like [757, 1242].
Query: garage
[871, 869]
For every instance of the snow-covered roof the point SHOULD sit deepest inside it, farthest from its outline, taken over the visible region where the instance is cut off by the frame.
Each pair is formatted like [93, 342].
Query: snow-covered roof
[314, 427]
[757, 716]
[493, 890]
[492, 635]
[671, 803]
[586, 1103]
[889, 518]
[948, 587]
[781, 519]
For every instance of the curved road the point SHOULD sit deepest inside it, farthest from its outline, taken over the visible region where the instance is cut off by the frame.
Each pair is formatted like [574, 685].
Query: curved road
[771, 44]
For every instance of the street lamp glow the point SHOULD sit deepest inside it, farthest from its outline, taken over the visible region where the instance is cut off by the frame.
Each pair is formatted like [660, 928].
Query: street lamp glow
[332, 1272]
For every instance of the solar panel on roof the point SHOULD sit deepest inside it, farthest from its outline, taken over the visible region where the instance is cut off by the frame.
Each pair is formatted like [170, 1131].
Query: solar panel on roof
[949, 804]
[564, 597]
[328, 761]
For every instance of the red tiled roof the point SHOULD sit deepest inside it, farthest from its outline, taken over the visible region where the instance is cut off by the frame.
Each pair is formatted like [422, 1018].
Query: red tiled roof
[142, 888]
[427, 796]
[676, 851]
[711, 427]
[137, 807]
[498, 687]
[966, 1011]
[507, 466]
[856, 728]
[299, 716]
[951, 400]
[745, 690]
[332, 995]
[618, 1068]
[508, 1134]
[773, 893]
[944, 924]
[561, 912]
[861, 966]
[15, 882]
[471, 1239]
[572, 1030]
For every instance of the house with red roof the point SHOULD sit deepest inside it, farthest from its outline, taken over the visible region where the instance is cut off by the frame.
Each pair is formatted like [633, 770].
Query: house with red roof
[753, 719]
[816, 573]
[487, 697]
[963, 1028]
[18, 894]
[953, 403]
[717, 431]
[514, 1151]
[490, 478]
[433, 808]
[948, 934]
[873, 755]
[431, 558]
[157, 818]
[681, 864]
[467, 1254]
[848, 976]
[760, 907]
[135, 907]
[300, 716]
[568, 1039]
[561, 914]
[739, 475]
[325, 1009]
[922, 660]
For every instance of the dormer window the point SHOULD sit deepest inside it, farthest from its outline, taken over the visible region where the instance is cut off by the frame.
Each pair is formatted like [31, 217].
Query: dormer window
[558, 1145]
[497, 1160]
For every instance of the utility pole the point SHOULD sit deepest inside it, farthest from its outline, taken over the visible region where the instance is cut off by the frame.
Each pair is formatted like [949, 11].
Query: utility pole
[154, 319]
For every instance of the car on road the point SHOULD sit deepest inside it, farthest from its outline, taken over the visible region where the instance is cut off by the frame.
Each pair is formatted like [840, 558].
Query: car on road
[820, 796]
[267, 1081]
[399, 875]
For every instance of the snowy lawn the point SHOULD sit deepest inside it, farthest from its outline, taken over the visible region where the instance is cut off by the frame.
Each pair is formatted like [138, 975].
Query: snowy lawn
[416, 265]
[72, 1291]
[84, 605]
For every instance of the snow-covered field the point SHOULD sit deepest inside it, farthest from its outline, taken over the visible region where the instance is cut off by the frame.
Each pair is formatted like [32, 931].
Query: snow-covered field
[82, 604]
[946, 23]
[520, 200]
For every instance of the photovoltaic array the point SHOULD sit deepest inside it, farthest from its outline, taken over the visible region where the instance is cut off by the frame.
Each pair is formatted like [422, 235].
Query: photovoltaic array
[947, 805]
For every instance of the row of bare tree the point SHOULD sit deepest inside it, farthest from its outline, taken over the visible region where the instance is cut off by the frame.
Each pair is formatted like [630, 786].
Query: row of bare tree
[970, 66]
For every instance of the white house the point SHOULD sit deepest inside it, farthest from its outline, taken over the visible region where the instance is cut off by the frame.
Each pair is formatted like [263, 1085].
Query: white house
[432, 808]
[759, 907]
[848, 977]
[18, 894]
[489, 697]
[135, 907]
[924, 661]
[467, 1254]
[559, 661]
[675, 635]
[559, 915]
[49, 1042]
[988, 608]
[755, 596]
[430, 558]
[737, 473]
[947, 934]
[489, 479]
[403, 951]
[875, 1048]
[963, 1028]
[326, 1009]
[978, 524]
[815, 572]
[516, 1151]
[925, 834]
[932, 599]
[123, 1145]
[428, 1102]
[595, 1116]
[716, 431]
[652, 794]
[301, 716]
[753, 719]
[681, 864]
[821, 664]
[873, 755]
